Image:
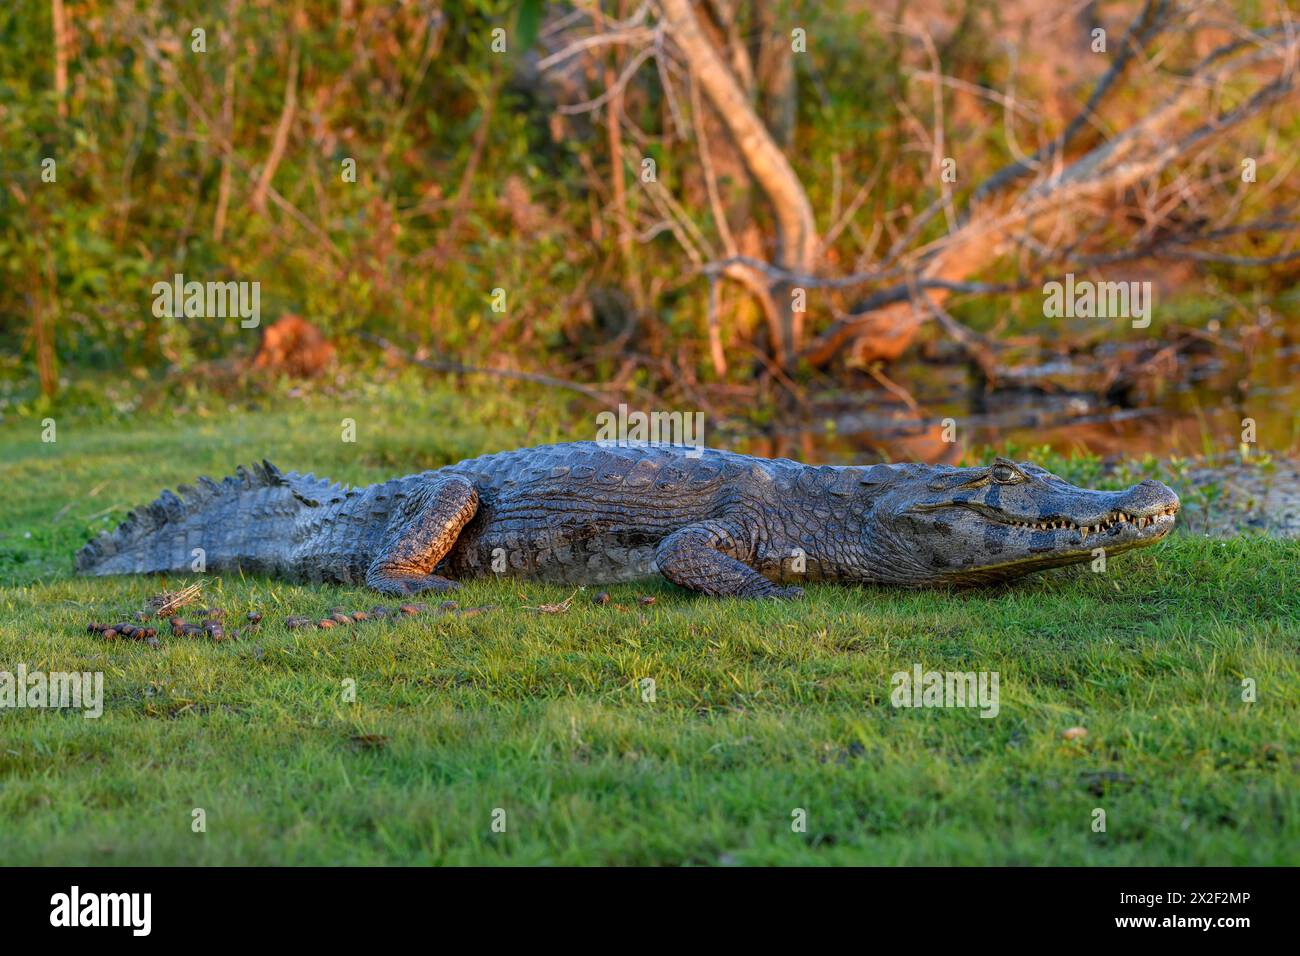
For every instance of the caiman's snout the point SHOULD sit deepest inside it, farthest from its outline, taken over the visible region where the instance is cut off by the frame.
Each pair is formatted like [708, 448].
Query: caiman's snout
[1140, 515]
[1150, 499]
[1148, 504]
[1137, 515]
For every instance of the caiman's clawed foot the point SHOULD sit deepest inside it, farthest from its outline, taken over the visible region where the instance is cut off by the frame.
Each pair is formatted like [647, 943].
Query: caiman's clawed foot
[703, 557]
[420, 533]
[400, 585]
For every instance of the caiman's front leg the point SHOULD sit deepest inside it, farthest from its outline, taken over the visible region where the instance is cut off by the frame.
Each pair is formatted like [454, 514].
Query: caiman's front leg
[421, 531]
[701, 557]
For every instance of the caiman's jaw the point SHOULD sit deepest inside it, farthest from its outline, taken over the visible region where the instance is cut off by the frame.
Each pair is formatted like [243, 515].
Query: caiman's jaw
[976, 525]
[1113, 527]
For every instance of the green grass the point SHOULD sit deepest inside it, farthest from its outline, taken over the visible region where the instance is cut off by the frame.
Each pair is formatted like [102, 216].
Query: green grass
[759, 708]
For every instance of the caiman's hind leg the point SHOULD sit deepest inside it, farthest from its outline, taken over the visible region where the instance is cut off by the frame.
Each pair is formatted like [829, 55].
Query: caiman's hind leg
[702, 557]
[420, 533]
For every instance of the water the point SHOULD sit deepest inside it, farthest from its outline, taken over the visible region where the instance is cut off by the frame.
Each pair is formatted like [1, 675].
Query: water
[1120, 402]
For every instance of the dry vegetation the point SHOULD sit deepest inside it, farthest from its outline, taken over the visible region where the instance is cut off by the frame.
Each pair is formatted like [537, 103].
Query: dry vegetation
[798, 223]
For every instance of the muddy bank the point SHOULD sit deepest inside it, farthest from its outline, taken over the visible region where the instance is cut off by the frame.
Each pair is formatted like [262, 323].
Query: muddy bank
[1229, 499]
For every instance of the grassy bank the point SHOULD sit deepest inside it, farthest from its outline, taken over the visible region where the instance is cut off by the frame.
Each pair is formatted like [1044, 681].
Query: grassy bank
[758, 709]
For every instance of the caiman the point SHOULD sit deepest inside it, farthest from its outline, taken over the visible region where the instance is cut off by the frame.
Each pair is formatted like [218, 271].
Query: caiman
[595, 513]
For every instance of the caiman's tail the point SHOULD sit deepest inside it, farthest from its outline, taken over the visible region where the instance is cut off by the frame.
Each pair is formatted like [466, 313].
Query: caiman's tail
[241, 522]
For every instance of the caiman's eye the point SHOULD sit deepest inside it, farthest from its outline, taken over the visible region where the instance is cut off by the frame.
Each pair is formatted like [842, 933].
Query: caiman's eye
[1005, 473]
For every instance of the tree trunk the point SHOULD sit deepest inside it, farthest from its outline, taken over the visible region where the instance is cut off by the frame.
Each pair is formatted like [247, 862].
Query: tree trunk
[796, 228]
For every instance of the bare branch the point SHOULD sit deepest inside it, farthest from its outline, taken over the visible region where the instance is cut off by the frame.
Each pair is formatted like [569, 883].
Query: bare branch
[281, 138]
[1149, 23]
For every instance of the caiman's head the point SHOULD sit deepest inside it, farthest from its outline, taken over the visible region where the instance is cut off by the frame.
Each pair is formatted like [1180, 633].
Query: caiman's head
[976, 525]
